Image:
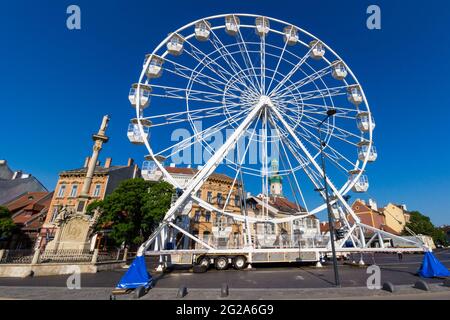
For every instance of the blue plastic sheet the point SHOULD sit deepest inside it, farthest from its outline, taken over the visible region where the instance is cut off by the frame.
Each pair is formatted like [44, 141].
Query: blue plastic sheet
[432, 267]
[136, 276]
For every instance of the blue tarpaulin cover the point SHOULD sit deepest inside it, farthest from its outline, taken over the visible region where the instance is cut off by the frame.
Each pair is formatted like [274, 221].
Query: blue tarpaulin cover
[136, 275]
[431, 267]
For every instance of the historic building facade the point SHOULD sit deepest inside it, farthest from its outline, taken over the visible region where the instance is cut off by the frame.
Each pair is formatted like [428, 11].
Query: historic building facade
[69, 186]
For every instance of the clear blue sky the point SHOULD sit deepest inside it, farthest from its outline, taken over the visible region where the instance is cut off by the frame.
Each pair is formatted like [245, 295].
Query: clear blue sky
[56, 84]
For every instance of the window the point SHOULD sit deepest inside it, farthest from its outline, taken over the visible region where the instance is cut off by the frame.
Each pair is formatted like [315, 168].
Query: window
[73, 192]
[197, 216]
[208, 216]
[97, 190]
[199, 194]
[219, 199]
[236, 201]
[269, 228]
[62, 190]
[209, 197]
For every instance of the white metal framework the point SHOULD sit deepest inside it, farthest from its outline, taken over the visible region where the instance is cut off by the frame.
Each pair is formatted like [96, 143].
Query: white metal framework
[265, 81]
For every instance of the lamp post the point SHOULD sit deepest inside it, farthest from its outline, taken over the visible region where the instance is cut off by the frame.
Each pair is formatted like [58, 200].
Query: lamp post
[330, 113]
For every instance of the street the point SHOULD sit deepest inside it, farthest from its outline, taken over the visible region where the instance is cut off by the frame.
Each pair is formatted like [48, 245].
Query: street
[273, 281]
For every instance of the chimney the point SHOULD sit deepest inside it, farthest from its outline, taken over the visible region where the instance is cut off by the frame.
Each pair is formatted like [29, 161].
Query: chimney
[130, 162]
[3, 162]
[86, 162]
[17, 175]
[373, 204]
[108, 162]
[98, 163]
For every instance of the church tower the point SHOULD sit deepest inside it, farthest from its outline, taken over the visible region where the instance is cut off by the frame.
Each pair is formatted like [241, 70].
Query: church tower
[275, 180]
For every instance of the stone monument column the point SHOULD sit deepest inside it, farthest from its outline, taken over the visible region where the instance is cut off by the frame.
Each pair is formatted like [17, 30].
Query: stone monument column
[99, 139]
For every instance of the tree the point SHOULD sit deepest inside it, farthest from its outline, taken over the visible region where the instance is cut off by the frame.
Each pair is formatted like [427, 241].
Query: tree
[421, 224]
[133, 209]
[7, 226]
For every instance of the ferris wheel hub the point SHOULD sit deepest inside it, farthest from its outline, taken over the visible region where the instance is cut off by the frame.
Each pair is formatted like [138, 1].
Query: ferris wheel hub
[265, 101]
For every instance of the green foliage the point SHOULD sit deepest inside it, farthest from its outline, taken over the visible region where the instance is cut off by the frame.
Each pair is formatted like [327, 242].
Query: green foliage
[133, 210]
[421, 224]
[93, 206]
[7, 225]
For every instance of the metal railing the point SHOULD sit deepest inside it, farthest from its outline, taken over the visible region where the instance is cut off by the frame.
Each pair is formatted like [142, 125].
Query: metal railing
[65, 255]
[17, 256]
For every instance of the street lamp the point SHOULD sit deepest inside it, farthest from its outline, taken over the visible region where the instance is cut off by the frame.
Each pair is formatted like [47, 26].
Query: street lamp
[330, 113]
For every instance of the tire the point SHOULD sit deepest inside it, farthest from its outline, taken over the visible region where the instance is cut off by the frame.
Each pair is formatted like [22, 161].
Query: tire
[203, 261]
[199, 269]
[221, 263]
[239, 262]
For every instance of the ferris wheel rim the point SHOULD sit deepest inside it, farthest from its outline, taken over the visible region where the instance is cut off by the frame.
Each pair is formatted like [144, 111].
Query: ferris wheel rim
[347, 186]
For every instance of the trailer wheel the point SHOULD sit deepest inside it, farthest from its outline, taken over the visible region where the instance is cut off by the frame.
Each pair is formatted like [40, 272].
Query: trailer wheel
[239, 262]
[203, 261]
[221, 263]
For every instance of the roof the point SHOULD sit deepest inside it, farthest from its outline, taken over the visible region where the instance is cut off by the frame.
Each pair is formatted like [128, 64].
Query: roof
[192, 171]
[360, 202]
[29, 201]
[98, 169]
[29, 210]
[324, 227]
[284, 205]
[5, 172]
[11, 189]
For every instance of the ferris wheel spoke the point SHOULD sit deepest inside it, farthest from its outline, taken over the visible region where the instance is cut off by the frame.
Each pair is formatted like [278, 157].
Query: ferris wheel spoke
[199, 77]
[228, 57]
[247, 59]
[200, 57]
[337, 136]
[318, 94]
[308, 79]
[342, 110]
[336, 131]
[277, 66]
[263, 64]
[241, 161]
[312, 175]
[291, 169]
[190, 118]
[333, 155]
[201, 136]
[182, 93]
[290, 74]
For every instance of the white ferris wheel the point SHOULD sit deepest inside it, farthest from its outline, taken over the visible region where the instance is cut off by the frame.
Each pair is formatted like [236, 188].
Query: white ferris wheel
[268, 83]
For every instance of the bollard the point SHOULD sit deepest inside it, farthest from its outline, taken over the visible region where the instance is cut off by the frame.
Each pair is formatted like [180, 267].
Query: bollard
[139, 292]
[422, 285]
[182, 292]
[388, 286]
[224, 291]
[446, 283]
